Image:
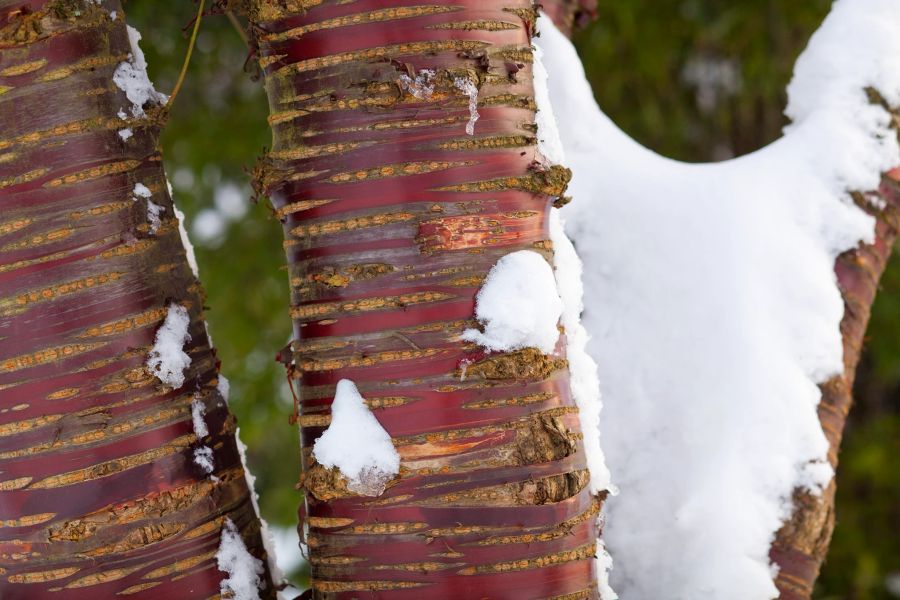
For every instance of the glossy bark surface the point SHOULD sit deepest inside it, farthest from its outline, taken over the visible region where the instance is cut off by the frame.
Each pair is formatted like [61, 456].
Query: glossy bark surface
[393, 216]
[100, 496]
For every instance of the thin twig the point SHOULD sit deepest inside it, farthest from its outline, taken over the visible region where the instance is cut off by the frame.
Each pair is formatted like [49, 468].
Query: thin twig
[187, 58]
[238, 27]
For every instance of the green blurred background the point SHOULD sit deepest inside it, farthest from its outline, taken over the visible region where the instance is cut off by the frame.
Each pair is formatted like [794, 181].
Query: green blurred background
[696, 80]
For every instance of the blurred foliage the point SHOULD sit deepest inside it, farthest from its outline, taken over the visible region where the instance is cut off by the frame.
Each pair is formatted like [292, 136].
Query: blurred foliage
[696, 80]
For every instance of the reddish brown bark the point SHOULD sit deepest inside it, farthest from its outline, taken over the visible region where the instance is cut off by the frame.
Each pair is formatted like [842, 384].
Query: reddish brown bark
[99, 492]
[393, 216]
[569, 15]
[802, 544]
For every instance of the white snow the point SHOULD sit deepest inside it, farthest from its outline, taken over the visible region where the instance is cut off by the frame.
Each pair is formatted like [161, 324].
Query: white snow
[153, 212]
[357, 444]
[568, 271]
[583, 379]
[141, 191]
[468, 87]
[167, 359]
[518, 305]
[549, 143]
[243, 569]
[265, 532]
[714, 310]
[420, 86]
[131, 77]
[582, 368]
[125, 134]
[604, 564]
[186, 242]
[198, 410]
[224, 387]
[203, 456]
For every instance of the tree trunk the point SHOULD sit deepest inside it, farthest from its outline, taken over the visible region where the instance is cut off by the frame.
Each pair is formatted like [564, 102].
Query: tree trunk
[393, 217]
[100, 492]
[802, 543]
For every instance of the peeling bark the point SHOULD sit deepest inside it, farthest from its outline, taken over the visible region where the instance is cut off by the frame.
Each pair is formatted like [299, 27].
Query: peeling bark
[393, 215]
[99, 492]
[802, 543]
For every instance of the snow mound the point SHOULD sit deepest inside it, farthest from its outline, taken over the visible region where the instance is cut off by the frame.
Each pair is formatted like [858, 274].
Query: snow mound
[518, 305]
[714, 310]
[244, 569]
[357, 444]
[131, 77]
[167, 359]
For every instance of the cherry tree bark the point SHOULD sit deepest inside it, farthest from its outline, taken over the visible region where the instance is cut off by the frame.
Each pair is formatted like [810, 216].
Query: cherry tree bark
[801, 545]
[393, 215]
[100, 493]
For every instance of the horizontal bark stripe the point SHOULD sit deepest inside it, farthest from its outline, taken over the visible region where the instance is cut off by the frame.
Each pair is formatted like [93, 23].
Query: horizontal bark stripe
[99, 494]
[393, 215]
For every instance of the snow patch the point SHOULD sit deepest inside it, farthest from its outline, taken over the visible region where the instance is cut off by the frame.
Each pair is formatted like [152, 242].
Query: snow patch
[583, 378]
[421, 86]
[244, 569]
[131, 77]
[357, 444]
[604, 564]
[125, 134]
[198, 410]
[714, 308]
[548, 141]
[153, 212]
[224, 387]
[265, 531]
[186, 242]
[141, 191]
[167, 359]
[203, 457]
[518, 305]
[467, 87]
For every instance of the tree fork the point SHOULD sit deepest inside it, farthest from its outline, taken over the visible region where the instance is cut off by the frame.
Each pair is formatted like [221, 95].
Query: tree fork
[393, 215]
[100, 495]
